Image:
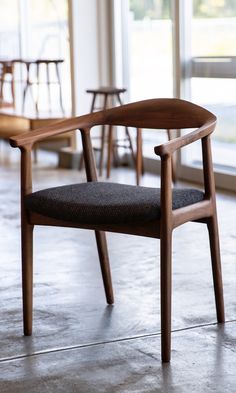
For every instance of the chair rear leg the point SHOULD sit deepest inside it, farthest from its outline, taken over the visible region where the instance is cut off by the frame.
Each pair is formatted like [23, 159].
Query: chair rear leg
[105, 265]
[101, 159]
[212, 226]
[166, 288]
[27, 277]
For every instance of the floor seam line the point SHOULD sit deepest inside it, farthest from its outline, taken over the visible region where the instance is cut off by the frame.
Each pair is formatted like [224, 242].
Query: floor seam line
[94, 344]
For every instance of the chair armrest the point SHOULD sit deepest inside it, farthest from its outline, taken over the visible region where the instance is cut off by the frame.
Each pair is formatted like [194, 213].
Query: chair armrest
[31, 137]
[83, 123]
[170, 147]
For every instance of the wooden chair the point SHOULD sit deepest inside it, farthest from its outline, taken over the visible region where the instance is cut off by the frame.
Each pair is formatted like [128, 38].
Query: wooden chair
[135, 210]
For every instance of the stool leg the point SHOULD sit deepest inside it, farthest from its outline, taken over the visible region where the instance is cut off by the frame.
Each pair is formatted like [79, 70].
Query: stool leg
[1, 87]
[38, 87]
[24, 97]
[93, 102]
[48, 85]
[27, 86]
[13, 86]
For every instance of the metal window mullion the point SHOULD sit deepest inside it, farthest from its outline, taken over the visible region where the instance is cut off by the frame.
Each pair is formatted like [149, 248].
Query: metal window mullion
[182, 56]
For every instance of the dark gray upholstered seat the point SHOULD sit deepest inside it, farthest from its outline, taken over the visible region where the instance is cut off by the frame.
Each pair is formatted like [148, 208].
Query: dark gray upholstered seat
[105, 203]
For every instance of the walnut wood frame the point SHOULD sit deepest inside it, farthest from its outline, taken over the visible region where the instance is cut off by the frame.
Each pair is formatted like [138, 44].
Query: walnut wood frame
[158, 114]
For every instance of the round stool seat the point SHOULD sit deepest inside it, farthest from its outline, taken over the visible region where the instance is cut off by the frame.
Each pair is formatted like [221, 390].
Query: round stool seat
[106, 90]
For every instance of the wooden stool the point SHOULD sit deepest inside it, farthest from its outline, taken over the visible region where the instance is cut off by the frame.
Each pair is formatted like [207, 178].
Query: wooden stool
[112, 94]
[29, 83]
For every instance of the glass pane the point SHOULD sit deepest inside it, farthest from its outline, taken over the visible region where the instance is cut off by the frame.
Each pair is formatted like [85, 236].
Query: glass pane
[214, 28]
[150, 51]
[214, 34]
[208, 92]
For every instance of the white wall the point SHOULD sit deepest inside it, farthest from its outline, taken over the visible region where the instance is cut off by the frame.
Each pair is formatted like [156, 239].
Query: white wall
[91, 40]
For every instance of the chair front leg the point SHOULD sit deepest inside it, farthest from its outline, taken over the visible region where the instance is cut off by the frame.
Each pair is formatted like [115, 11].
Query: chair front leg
[166, 288]
[212, 226]
[105, 265]
[27, 275]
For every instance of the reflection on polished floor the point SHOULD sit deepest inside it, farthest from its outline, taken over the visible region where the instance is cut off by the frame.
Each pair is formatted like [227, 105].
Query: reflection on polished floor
[82, 345]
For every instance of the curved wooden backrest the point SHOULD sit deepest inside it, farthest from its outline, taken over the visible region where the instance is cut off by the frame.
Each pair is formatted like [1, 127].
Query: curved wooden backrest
[163, 113]
[159, 113]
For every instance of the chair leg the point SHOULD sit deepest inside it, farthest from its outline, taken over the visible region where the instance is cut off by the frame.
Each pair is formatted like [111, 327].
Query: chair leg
[173, 160]
[81, 161]
[105, 266]
[110, 150]
[27, 277]
[166, 284]
[35, 154]
[216, 267]
[139, 156]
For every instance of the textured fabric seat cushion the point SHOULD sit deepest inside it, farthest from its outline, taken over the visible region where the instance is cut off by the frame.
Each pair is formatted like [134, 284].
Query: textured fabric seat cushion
[105, 203]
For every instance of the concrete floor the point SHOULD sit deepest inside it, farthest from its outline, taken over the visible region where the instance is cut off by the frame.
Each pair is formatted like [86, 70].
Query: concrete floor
[82, 345]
